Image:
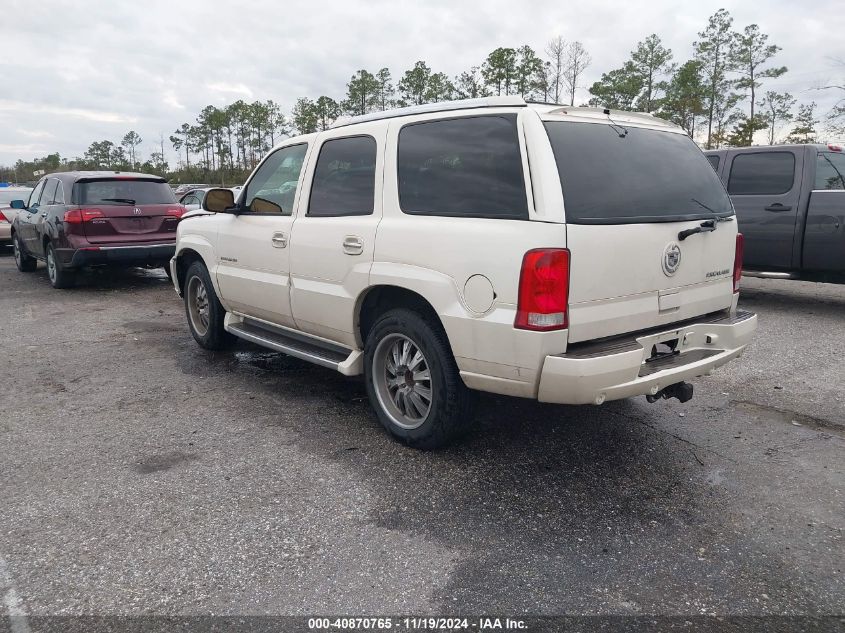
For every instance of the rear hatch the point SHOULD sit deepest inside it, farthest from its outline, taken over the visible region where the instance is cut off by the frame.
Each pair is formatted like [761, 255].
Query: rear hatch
[127, 209]
[629, 194]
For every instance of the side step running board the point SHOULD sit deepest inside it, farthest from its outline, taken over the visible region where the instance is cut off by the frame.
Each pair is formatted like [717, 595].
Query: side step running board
[346, 361]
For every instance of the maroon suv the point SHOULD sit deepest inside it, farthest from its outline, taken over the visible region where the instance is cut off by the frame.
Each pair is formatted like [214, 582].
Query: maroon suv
[82, 218]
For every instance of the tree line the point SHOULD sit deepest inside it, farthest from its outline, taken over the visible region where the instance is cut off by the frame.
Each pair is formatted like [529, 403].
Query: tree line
[719, 96]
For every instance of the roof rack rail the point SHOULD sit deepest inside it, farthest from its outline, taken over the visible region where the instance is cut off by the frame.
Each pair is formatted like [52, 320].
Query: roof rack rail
[441, 106]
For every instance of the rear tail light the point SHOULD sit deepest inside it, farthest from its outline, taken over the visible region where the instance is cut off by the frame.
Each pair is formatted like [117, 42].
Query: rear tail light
[78, 216]
[740, 244]
[176, 213]
[4, 218]
[543, 290]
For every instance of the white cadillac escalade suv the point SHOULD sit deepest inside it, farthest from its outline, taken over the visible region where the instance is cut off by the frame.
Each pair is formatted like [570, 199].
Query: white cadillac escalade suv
[570, 255]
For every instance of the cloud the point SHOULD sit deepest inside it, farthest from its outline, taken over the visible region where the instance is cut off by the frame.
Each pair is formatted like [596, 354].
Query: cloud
[236, 89]
[153, 66]
[83, 113]
[34, 133]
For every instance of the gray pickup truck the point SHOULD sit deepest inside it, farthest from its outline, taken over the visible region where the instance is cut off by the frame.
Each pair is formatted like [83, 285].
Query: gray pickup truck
[790, 204]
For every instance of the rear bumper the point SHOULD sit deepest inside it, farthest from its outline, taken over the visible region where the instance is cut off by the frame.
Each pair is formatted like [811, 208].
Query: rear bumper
[138, 255]
[616, 368]
[5, 232]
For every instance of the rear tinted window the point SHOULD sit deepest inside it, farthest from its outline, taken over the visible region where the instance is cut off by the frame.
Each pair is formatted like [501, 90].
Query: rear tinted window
[344, 178]
[714, 160]
[764, 173]
[123, 192]
[614, 175]
[469, 167]
[830, 171]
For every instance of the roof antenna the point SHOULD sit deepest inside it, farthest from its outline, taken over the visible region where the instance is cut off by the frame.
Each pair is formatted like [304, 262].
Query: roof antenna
[616, 127]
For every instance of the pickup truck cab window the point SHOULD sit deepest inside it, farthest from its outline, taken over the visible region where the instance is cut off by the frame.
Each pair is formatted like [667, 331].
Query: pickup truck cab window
[273, 188]
[464, 167]
[761, 174]
[344, 178]
[830, 171]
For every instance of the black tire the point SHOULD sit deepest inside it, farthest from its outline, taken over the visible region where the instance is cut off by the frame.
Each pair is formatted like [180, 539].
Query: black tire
[167, 272]
[25, 262]
[214, 337]
[59, 276]
[450, 410]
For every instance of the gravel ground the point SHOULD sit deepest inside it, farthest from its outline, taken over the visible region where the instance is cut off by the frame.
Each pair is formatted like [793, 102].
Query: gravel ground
[140, 474]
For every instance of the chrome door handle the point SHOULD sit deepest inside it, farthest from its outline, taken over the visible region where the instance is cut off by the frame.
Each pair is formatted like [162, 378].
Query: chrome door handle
[353, 245]
[280, 240]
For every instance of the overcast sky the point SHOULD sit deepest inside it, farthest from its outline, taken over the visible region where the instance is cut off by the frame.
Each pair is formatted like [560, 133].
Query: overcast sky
[75, 72]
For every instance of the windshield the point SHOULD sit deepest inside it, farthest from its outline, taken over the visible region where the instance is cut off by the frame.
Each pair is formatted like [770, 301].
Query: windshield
[616, 175]
[114, 191]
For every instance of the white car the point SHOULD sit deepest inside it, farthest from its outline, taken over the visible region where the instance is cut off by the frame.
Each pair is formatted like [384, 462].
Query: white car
[7, 213]
[569, 255]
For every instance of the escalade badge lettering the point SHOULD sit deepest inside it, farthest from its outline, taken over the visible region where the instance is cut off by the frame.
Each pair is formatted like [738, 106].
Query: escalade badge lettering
[671, 259]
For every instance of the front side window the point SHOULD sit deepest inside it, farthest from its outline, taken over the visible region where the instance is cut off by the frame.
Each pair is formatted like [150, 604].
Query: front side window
[36, 194]
[830, 171]
[466, 167]
[344, 178]
[273, 188]
[612, 174]
[766, 173]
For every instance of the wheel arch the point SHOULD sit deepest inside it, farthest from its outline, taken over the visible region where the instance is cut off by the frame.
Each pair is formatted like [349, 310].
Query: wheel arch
[377, 300]
[184, 259]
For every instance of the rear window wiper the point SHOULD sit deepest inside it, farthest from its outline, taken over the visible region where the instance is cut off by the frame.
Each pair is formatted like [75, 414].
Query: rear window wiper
[716, 216]
[123, 200]
[704, 227]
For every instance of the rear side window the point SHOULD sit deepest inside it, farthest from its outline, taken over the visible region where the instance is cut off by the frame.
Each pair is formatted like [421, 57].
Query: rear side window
[616, 175]
[344, 178]
[766, 173]
[113, 191]
[468, 167]
[714, 160]
[830, 171]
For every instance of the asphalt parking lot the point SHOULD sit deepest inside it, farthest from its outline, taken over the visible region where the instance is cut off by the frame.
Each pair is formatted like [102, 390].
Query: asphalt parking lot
[141, 474]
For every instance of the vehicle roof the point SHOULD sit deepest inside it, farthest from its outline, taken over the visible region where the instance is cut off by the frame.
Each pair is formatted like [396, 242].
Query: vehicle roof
[80, 175]
[774, 148]
[546, 111]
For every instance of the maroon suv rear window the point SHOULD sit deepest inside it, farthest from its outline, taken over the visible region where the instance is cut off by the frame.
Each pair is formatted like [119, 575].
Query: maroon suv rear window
[123, 191]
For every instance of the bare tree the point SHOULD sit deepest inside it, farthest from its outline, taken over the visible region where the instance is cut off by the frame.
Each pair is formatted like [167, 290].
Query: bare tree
[576, 61]
[556, 50]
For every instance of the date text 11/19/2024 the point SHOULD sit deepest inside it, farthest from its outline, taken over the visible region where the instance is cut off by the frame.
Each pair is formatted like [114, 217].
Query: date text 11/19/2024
[415, 623]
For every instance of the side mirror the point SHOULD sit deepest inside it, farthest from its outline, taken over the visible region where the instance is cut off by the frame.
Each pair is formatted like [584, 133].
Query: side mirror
[17, 204]
[218, 200]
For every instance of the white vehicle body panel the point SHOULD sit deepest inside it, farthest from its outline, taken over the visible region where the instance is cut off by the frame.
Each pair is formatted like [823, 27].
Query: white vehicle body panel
[468, 270]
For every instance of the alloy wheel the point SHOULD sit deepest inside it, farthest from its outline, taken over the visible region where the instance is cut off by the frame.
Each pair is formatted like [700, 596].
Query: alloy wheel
[402, 379]
[198, 308]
